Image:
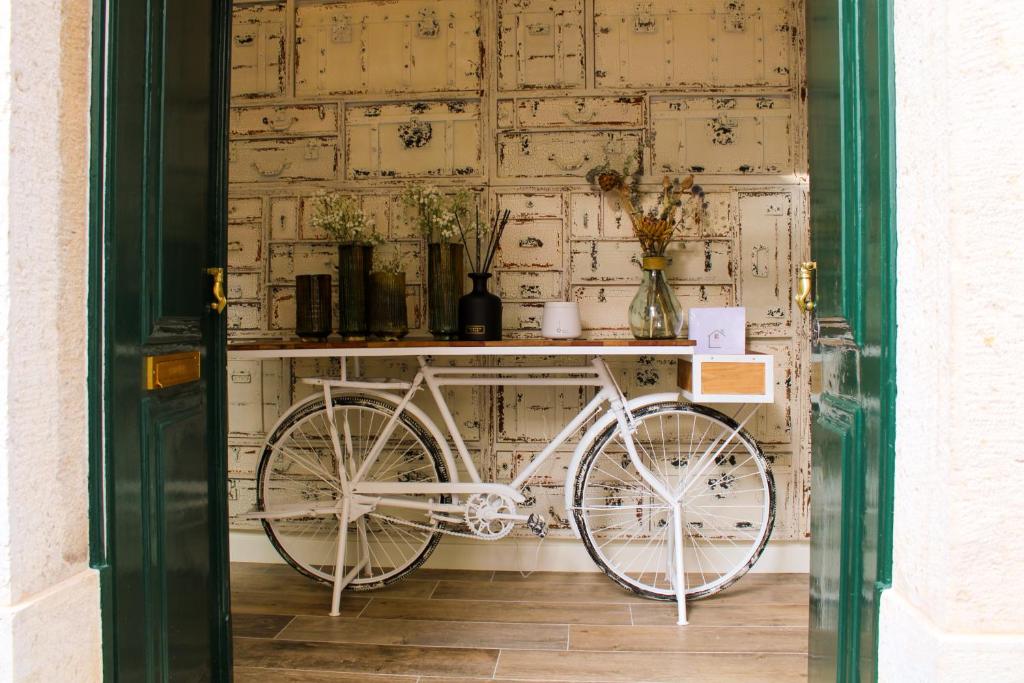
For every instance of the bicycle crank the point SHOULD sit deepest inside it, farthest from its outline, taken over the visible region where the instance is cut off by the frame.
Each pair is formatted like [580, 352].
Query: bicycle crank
[490, 515]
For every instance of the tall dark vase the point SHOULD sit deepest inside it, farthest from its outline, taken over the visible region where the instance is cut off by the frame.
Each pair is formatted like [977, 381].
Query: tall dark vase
[313, 306]
[388, 318]
[480, 312]
[444, 287]
[354, 262]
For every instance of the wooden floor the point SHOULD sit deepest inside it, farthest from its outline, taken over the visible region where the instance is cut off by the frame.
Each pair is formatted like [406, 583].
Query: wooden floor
[461, 627]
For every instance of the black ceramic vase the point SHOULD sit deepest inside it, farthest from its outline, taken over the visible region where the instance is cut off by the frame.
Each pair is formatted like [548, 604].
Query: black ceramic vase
[480, 312]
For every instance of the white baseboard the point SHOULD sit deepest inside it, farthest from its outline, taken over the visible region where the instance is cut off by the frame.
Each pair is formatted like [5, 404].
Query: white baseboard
[556, 554]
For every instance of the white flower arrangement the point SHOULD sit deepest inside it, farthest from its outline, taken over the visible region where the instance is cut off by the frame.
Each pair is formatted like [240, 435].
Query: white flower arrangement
[341, 217]
[388, 260]
[436, 215]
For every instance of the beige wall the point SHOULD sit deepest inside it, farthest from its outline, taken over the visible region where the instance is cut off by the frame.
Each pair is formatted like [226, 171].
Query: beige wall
[49, 597]
[956, 610]
[522, 97]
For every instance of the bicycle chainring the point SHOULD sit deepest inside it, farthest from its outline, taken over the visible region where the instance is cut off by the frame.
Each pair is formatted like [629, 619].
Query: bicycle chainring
[482, 510]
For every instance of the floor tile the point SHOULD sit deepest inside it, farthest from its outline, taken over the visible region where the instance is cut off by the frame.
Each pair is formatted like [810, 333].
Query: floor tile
[641, 667]
[368, 659]
[258, 625]
[690, 638]
[428, 633]
[506, 612]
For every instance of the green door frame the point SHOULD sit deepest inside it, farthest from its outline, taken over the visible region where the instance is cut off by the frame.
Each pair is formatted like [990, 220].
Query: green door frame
[101, 557]
[884, 189]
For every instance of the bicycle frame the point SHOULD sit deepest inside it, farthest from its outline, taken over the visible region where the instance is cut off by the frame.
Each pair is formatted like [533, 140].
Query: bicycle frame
[434, 379]
[361, 497]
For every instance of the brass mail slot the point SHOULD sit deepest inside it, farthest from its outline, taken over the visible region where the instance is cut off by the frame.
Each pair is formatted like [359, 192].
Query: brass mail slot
[171, 369]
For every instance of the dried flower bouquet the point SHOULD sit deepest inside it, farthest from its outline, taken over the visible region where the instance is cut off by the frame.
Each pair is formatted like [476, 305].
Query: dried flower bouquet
[656, 227]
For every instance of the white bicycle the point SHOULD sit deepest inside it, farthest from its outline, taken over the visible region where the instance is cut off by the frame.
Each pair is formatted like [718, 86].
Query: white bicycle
[356, 485]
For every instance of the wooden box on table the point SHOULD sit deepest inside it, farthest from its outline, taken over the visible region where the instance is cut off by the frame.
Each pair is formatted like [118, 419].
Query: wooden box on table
[714, 378]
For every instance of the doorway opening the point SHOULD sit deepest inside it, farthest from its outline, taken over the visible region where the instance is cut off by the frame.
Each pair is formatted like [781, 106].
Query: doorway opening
[512, 102]
[507, 103]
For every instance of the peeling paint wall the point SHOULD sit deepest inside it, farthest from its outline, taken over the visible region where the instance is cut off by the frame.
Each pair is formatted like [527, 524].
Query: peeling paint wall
[516, 100]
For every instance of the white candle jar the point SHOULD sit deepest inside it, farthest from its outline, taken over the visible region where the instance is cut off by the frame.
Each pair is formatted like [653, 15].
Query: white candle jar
[561, 320]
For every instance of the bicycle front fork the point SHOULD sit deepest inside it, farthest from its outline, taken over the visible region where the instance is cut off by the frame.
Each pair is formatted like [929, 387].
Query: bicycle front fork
[676, 570]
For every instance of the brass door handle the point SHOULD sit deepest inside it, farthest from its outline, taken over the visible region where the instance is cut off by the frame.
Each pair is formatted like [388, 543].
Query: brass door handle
[220, 302]
[805, 292]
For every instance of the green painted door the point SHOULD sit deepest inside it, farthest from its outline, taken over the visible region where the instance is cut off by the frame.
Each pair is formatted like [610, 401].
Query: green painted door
[158, 203]
[849, 95]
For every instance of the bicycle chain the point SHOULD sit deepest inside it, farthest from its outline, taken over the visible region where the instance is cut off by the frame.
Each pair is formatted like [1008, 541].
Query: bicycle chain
[442, 530]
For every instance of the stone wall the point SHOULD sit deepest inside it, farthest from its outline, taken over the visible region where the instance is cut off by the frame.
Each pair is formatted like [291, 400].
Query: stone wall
[954, 612]
[49, 596]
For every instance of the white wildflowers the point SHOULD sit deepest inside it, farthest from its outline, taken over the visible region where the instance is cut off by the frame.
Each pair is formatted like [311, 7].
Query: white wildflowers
[388, 259]
[436, 214]
[341, 217]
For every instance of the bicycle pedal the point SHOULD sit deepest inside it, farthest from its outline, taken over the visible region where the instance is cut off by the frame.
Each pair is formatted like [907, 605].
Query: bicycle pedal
[538, 525]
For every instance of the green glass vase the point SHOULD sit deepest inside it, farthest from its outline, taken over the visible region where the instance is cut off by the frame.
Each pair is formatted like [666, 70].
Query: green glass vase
[354, 262]
[444, 287]
[388, 317]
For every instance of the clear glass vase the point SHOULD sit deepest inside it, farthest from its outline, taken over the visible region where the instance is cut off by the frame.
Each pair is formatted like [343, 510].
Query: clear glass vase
[655, 312]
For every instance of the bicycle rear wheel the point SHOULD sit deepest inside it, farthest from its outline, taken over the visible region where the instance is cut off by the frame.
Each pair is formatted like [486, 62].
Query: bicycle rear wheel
[728, 511]
[299, 468]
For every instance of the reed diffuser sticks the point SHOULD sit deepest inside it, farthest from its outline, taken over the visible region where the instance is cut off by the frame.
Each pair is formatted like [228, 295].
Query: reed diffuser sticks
[480, 310]
[484, 256]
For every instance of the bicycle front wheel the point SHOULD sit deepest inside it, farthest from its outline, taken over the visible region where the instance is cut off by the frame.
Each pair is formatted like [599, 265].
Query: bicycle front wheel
[728, 510]
[299, 468]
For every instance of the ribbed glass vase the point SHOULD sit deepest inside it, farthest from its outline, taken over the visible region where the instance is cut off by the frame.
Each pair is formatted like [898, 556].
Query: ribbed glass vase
[388, 317]
[354, 262]
[655, 312]
[313, 306]
[444, 287]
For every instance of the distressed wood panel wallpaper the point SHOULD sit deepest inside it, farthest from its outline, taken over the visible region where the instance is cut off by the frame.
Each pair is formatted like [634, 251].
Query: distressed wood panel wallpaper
[516, 100]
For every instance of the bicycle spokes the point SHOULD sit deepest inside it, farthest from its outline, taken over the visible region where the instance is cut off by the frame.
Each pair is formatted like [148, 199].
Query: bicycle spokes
[726, 510]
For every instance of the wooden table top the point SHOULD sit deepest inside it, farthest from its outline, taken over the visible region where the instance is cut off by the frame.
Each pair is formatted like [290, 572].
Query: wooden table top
[412, 346]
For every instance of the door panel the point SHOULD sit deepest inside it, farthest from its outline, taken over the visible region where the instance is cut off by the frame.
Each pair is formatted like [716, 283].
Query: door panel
[853, 365]
[164, 92]
[401, 46]
[672, 43]
[258, 68]
[181, 532]
[825, 146]
[835, 431]
[722, 134]
[540, 44]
